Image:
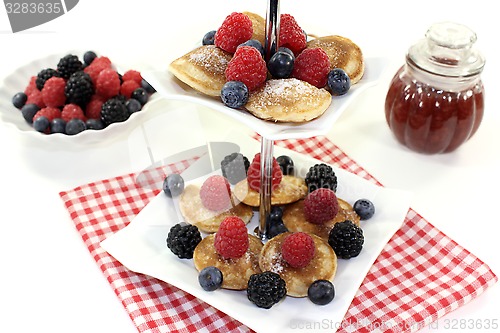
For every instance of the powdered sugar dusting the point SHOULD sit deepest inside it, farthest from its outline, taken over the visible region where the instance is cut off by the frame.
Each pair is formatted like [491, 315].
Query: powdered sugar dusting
[210, 58]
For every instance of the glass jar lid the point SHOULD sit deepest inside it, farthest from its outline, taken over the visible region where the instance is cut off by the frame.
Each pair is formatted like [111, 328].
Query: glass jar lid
[447, 50]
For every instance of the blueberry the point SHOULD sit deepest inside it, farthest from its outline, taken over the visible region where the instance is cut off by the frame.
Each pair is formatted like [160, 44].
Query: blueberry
[75, 126]
[281, 64]
[321, 292]
[141, 95]
[254, 43]
[210, 278]
[234, 94]
[58, 125]
[173, 185]
[149, 88]
[88, 57]
[276, 213]
[41, 124]
[364, 208]
[94, 124]
[208, 39]
[338, 82]
[286, 164]
[28, 111]
[19, 100]
[287, 50]
[133, 105]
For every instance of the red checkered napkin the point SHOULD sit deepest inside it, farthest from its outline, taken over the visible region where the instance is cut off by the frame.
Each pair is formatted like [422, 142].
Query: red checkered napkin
[420, 275]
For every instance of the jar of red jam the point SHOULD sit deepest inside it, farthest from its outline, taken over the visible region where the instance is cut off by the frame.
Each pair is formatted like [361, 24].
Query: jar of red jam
[435, 101]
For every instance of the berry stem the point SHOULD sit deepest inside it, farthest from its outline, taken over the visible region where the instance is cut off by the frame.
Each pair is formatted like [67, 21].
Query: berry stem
[266, 177]
[272, 28]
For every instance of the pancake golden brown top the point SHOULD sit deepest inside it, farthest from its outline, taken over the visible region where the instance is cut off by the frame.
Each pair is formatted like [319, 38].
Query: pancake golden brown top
[288, 100]
[343, 53]
[322, 266]
[195, 213]
[258, 25]
[202, 69]
[289, 190]
[235, 272]
[295, 220]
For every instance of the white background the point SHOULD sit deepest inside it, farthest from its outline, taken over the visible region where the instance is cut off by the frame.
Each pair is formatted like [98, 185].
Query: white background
[49, 282]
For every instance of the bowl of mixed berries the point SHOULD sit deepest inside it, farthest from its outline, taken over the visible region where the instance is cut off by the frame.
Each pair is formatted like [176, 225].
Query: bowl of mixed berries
[78, 96]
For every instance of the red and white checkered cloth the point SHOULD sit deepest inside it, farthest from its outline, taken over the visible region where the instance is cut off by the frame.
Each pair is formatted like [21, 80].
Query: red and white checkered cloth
[420, 275]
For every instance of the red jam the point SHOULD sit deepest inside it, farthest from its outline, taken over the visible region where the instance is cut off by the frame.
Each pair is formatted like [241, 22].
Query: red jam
[435, 102]
[430, 120]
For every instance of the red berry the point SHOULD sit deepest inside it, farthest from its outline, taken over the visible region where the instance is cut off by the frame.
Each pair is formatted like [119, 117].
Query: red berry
[235, 30]
[291, 34]
[35, 97]
[132, 75]
[312, 66]
[253, 174]
[298, 249]
[96, 66]
[53, 92]
[93, 108]
[215, 193]
[31, 86]
[50, 113]
[71, 111]
[108, 83]
[128, 87]
[321, 206]
[247, 66]
[231, 239]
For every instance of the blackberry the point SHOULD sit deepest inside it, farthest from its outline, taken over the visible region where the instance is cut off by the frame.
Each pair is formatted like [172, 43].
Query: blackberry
[182, 240]
[68, 65]
[321, 176]
[234, 167]
[79, 89]
[44, 75]
[114, 111]
[346, 239]
[266, 289]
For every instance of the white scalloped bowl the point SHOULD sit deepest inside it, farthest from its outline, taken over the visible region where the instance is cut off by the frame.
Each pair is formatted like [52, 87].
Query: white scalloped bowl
[12, 117]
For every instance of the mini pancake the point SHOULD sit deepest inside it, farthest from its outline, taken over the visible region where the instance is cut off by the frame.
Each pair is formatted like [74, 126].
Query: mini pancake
[289, 190]
[295, 220]
[343, 53]
[206, 220]
[203, 69]
[323, 265]
[259, 27]
[288, 100]
[235, 272]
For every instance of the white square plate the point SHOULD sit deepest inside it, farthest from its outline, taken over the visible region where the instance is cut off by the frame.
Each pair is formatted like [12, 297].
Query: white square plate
[141, 247]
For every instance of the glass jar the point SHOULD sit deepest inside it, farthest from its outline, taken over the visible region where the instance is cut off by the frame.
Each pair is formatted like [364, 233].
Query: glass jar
[435, 102]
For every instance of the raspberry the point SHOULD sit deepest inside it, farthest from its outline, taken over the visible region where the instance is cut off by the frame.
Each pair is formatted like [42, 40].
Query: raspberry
[312, 66]
[53, 92]
[35, 97]
[71, 111]
[236, 29]
[298, 249]
[31, 86]
[320, 206]
[93, 108]
[48, 112]
[128, 87]
[108, 83]
[215, 193]
[291, 34]
[231, 240]
[96, 66]
[44, 75]
[132, 75]
[253, 174]
[247, 66]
